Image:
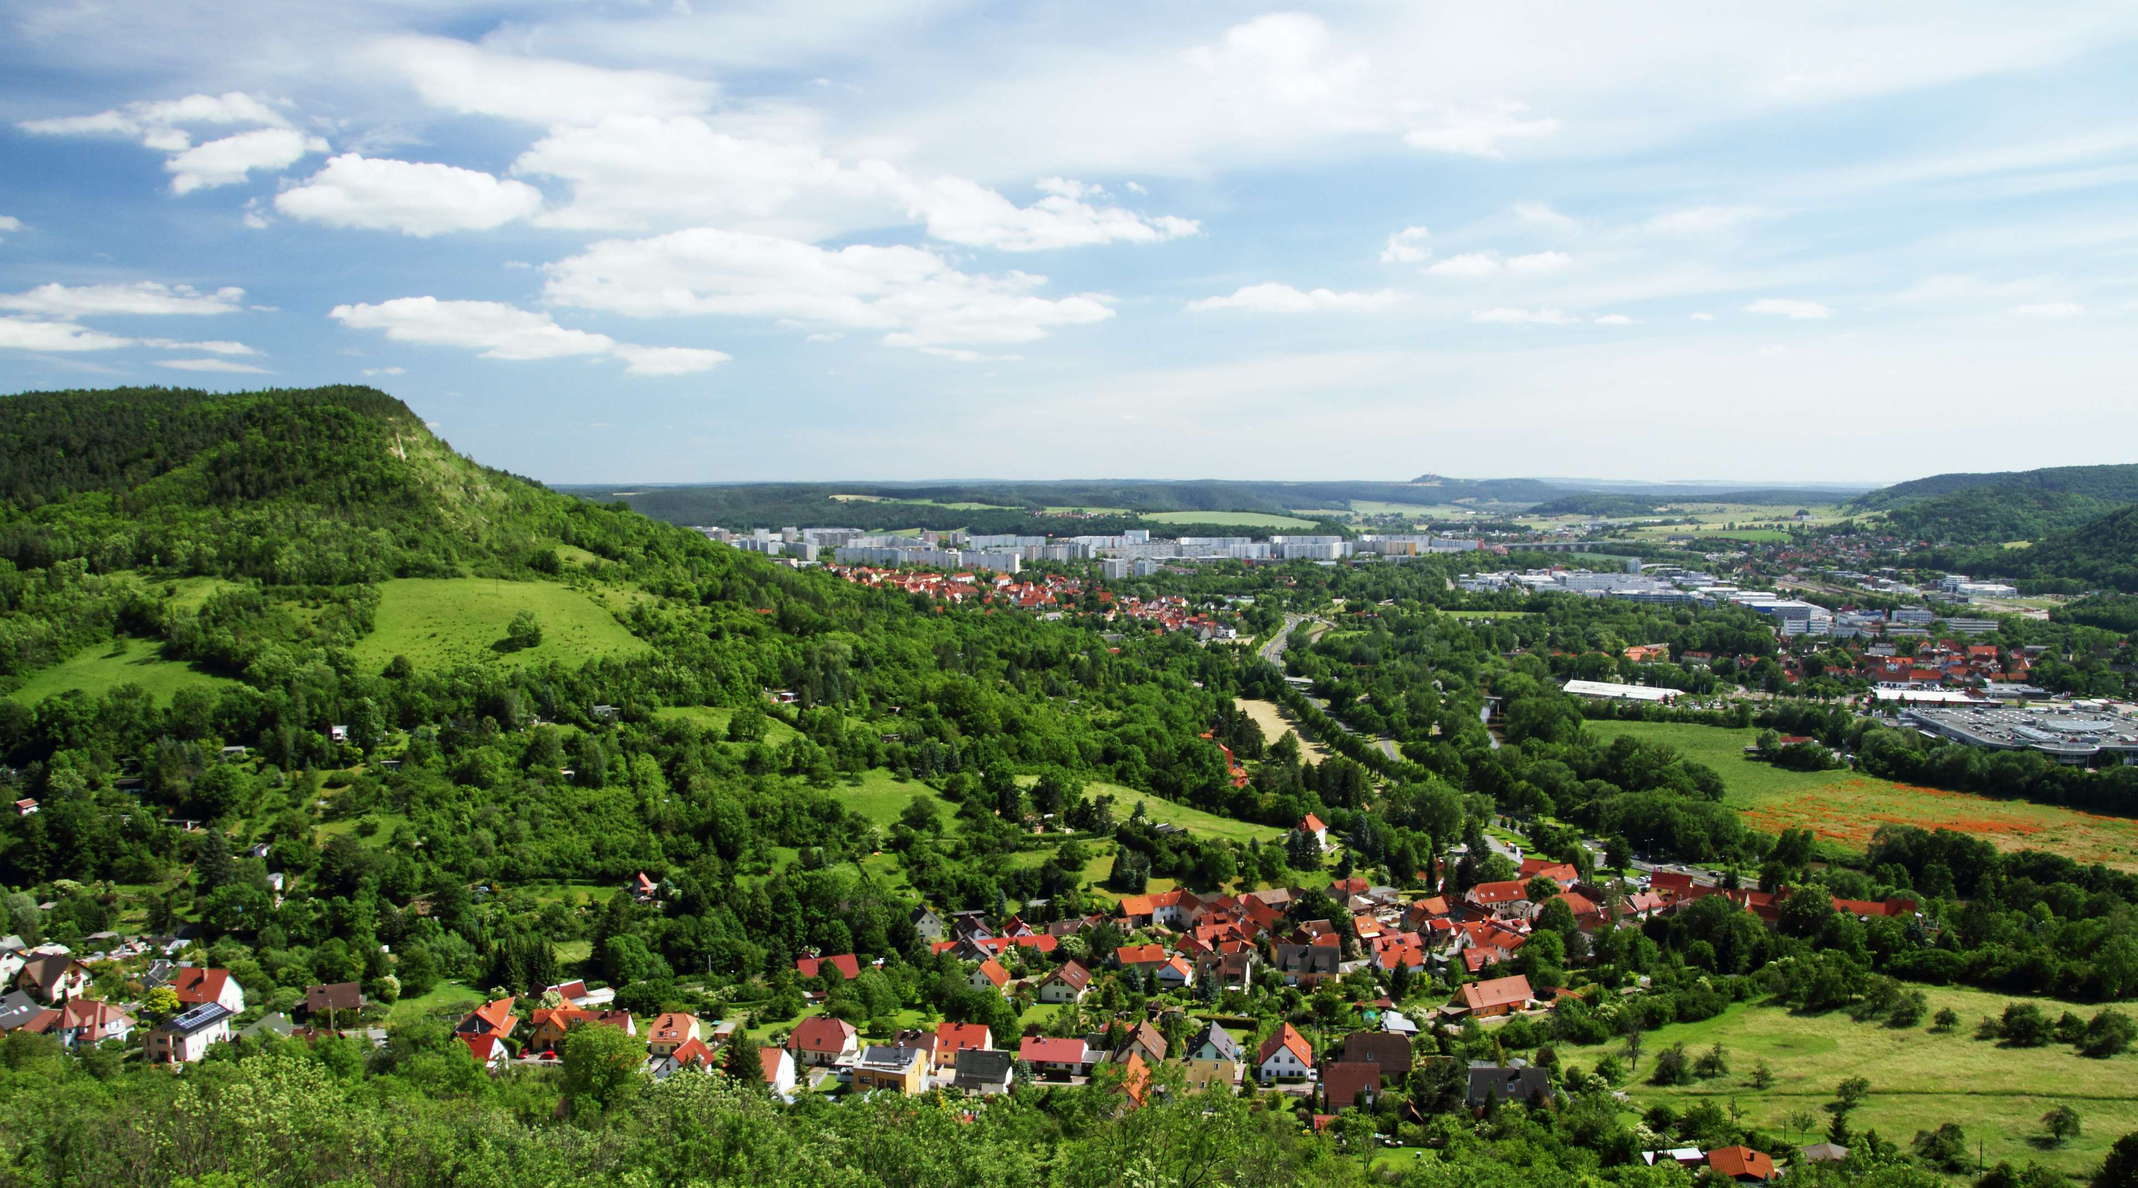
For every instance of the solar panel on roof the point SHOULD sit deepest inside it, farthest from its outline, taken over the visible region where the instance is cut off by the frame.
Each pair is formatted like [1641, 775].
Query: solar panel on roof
[195, 1018]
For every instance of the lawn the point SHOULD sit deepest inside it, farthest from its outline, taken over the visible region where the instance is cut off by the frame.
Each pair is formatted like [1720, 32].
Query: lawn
[1235, 519]
[444, 998]
[1194, 820]
[881, 797]
[443, 622]
[1845, 808]
[98, 670]
[1919, 1079]
[715, 718]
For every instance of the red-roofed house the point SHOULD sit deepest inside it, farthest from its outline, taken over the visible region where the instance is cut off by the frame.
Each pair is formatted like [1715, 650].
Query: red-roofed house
[1742, 1164]
[1066, 1057]
[1140, 957]
[1067, 984]
[489, 1050]
[1345, 1083]
[196, 986]
[989, 975]
[670, 1031]
[491, 1019]
[953, 1038]
[1311, 826]
[1562, 873]
[1497, 896]
[823, 1041]
[779, 1069]
[1284, 1056]
[1499, 996]
[846, 965]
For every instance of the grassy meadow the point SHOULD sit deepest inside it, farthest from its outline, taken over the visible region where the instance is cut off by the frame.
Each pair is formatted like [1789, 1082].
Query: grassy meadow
[1920, 1079]
[1235, 519]
[100, 669]
[1844, 808]
[443, 622]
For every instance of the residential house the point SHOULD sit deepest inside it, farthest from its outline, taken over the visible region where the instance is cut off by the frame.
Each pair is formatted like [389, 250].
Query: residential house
[17, 1010]
[1307, 962]
[492, 1019]
[1741, 1164]
[1068, 984]
[643, 889]
[1511, 1082]
[822, 1041]
[1174, 973]
[1284, 1056]
[52, 978]
[196, 985]
[929, 925]
[79, 1021]
[989, 975]
[954, 1039]
[1140, 958]
[670, 1031]
[1312, 827]
[693, 1053]
[779, 1069]
[846, 965]
[186, 1036]
[1215, 1043]
[489, 1050]
[1347, 1083]
[1508, 898]
[551, 1024]
[1498, 996]
[1146, 1041]
[1388, 1050]
[1046, 1055]
[337, 1001]
[902, 1070]
[1211, 1075]
[985, 1070]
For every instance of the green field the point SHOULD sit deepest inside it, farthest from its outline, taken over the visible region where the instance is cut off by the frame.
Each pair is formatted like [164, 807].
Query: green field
[1844, 808]
[715, 718]
[444, 998]
[881, 796]
[1919, 1079]
[442, 622]
[1194, 820]
[1232, 519]
[98, 670]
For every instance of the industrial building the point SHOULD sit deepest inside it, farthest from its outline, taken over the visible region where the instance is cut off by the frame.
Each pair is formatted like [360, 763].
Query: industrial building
[2091, 735]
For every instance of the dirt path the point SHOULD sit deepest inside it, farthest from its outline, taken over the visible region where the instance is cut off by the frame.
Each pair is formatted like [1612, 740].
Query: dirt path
[1274, 724]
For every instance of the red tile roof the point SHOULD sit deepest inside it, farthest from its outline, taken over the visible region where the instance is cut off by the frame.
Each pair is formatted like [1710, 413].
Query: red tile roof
[1513, 991]
[847, 966]
[1286, 1037]
[1741, 1161]
[196, 985]
[820, 1033]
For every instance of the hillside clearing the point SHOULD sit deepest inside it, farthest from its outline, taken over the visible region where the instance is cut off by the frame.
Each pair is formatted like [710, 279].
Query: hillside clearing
[1235, 519]
[444, 622]
[100, 669]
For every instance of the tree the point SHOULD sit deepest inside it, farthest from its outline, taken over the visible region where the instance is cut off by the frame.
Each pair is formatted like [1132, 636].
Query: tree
[1672, 1067]
[1850, 1094]
[1945, 1020]
[1712, 1063]
[523, 632]
[1944, 1148]
[160, 1004]
[1762, 1076]
[2062, 1123]
[2120, 1169]
[600, 1064]
[744, 1062]
[2108, 1033]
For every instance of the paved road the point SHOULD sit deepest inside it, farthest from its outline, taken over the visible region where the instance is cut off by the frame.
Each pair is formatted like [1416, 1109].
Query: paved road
[1273, 651]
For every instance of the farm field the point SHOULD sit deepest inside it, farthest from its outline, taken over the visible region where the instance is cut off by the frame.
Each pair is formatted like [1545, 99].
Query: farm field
[1844, 808]
[1920, 1079]
[442, 622]
[1237, 519]
[1270, 717]
[100, 669]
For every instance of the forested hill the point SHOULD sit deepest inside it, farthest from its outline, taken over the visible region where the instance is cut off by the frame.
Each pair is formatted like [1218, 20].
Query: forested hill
[2109, 484]
[321, 486]
[1988, 509]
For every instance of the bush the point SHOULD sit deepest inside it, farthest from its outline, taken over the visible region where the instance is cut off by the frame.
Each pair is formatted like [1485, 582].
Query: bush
[1672, 1067]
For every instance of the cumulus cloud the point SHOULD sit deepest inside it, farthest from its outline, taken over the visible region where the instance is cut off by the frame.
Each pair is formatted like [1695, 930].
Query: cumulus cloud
[1480, 132]
[472, 80]
[137, 298]
[225, 365]
[1614, 320]
[2049, 309]
[960, 211]
[385, 371]
[227, 161]
[414, 198]
[910, 294]
[1476, 264]
[1790, 307]
[19, 334]
[1511, 316]
[9, 223]
[499, 331]
[1284, 299]
[1411, 245]
[168, 125]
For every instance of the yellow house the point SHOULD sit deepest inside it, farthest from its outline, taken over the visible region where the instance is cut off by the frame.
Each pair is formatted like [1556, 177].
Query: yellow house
[902, 1070]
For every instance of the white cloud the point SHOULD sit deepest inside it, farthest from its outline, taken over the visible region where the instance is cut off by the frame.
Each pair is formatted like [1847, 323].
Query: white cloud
[1284, 299]
[414, 198]
[1509, 316]
[1538, 214]
[472, 80]
[227, 161]
[385, 371]
[1790, 307]
[18, 334]
[1614, 320]
[1702, 317]
[911, 294]
[216, 347]
[500, 331]
[1477, 264]
[2049, 309]
[1702, 220]
[138, 298]
[961, 211]
[211, 365]
[1408, 246]
[1479, 132]
[9, 223]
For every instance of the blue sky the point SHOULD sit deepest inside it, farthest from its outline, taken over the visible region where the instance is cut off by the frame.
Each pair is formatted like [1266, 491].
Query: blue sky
[691, 241]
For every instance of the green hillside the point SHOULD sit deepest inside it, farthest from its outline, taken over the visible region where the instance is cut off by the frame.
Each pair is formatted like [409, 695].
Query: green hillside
[2111, 484]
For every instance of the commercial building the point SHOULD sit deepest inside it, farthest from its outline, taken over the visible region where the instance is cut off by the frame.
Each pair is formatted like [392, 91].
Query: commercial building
[2080, 737]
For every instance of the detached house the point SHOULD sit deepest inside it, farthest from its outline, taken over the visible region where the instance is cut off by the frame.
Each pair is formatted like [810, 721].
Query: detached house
[185, 1038]
[1063, 1057]
[902, 1070]
[1498, 996]
[196, 986]
[52, 978]
[989, 975]
[670, 1031]
[952, 1040]
[779, 1069]
[1067, 984]
[1284, 1056]
[80, 1021]
[1348, 1083]
[1215, 1043]
[1312, 827]
[492, 1019]
[822, 1041]
[986, 1071]
[343, 1000]
[846, 965]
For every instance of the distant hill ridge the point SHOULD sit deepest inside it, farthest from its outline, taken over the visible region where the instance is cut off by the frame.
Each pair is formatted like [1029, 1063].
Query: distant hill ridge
[2115, 483]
